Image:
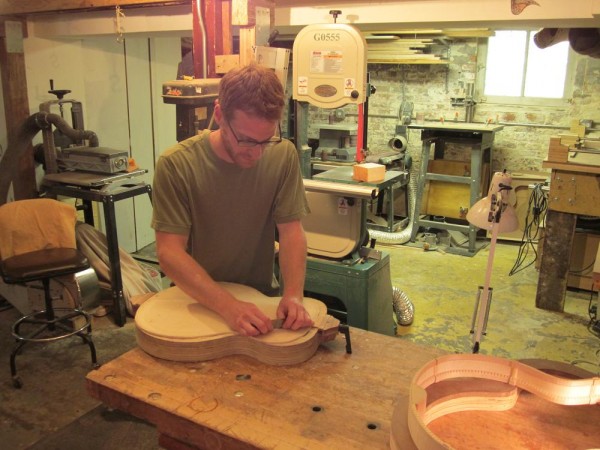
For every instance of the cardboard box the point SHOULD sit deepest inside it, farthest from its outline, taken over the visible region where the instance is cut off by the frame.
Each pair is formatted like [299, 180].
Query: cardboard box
[584, 252]
[369, 172]
[449, 199]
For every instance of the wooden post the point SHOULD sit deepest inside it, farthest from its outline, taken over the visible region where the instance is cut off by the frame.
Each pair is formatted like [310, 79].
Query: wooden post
[16, 165]
[554, 263]
[244, 14]
[212, 35]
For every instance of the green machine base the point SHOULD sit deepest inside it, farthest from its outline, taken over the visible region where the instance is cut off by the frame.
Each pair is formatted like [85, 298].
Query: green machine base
[358, 293]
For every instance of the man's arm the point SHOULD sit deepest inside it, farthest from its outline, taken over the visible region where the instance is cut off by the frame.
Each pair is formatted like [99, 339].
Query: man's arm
[292, 262]
[243, 317]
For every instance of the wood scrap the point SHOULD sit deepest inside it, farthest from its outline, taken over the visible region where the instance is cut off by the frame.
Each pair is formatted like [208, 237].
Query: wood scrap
[557, 151]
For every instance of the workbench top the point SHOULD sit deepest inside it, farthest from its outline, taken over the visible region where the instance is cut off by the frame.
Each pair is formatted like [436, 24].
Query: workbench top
[458, 126]
[334, 400]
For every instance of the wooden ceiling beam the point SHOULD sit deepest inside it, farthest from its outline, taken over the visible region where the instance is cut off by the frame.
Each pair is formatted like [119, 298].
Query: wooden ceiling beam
[29, 7]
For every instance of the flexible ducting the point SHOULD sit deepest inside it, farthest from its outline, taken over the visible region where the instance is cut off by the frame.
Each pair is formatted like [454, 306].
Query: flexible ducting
[403, 307]
[44, 119]
[16, 148]
[404, 310]
[585, 41]
[403, 236]
[32, 125]
[398, 143]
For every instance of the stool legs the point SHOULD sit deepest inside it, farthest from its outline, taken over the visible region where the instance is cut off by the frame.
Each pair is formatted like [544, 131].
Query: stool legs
[59, 327]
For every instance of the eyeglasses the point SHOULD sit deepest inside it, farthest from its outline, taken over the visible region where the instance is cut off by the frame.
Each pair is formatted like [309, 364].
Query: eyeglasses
[276, 139]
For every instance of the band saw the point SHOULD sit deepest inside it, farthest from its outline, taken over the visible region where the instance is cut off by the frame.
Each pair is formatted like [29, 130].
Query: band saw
[329, 71]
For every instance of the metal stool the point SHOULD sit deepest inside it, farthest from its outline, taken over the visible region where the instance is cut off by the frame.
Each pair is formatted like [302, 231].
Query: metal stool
[50, 324]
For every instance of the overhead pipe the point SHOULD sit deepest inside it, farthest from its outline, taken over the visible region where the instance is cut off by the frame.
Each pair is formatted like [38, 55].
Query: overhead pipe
[199, 41]
[585, 41]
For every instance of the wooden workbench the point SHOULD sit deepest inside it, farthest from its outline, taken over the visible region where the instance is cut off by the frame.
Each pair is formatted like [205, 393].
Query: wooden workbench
[574, 189]
[332, 401]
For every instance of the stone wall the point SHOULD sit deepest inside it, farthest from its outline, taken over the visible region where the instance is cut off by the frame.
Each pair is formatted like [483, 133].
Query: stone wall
[523, 143]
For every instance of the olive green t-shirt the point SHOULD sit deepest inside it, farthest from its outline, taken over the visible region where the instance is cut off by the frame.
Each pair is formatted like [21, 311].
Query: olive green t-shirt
[229, 213]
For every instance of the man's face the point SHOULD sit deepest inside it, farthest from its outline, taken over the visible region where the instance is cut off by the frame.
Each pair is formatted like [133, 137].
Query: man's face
[245, 138]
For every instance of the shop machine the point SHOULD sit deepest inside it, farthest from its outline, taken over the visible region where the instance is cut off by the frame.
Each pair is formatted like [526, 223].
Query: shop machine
[352, 279]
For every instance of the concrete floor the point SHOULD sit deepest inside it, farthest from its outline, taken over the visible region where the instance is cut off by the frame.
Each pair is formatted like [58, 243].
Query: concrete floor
[53, 410]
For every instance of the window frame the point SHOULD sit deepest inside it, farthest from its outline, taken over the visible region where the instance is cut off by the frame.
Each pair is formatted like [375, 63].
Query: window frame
[483, 48]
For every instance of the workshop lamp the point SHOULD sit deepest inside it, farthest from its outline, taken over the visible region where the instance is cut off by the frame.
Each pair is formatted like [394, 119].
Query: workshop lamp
[492, 213]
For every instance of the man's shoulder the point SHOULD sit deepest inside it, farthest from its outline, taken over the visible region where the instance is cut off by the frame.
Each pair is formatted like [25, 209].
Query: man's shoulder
[285, 147]
[188, 145]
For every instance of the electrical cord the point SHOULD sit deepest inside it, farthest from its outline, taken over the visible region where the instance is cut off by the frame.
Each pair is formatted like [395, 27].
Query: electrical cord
[593, 324]
[585, 270]
[536, 213]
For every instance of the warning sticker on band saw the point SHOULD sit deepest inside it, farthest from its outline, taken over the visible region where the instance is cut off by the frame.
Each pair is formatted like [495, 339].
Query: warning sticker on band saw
[326, 61]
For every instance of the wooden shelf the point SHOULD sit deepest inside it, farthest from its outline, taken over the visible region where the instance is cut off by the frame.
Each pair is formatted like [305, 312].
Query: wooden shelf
[570, 167]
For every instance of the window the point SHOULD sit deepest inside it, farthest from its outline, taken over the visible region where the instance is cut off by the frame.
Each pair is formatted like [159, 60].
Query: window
[516, 67]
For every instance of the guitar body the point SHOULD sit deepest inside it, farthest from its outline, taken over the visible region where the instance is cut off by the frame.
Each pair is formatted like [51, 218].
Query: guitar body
[481, 401]
[173, 326]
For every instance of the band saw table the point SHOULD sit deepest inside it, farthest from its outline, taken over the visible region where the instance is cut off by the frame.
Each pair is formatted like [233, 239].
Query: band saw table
[353, 281]
[334, 400]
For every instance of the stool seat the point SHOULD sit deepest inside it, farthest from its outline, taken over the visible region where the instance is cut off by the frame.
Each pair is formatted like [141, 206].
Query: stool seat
[46, 263]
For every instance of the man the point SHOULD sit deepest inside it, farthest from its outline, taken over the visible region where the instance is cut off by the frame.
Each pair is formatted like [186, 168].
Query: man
[219, 197]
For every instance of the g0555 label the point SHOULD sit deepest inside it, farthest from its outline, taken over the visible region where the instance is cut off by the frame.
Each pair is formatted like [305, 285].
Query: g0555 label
[327, 37]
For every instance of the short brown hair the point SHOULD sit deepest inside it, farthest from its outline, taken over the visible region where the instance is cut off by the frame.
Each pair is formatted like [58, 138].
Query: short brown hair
[254, 89]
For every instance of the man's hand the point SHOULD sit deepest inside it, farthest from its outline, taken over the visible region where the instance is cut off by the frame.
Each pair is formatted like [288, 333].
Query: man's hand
[246, 319]
[292, 310]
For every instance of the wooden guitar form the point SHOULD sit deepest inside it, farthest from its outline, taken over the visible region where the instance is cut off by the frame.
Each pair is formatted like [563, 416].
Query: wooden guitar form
[412, 414]
[171, 325]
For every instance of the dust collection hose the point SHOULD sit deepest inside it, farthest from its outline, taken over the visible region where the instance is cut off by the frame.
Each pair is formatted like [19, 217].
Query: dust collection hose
[404, 310]
[32, 126]
[44, 120]
[402, 236]
[16, 148]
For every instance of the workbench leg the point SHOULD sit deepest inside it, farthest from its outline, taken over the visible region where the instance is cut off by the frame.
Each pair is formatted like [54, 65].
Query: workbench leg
[475, 190]
[170, 443]
[116, 279]
[386, 197]
[426, 148]
[555, 260]
[88, 212]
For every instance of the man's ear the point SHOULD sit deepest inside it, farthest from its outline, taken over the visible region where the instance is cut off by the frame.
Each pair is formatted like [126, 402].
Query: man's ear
[218, 113]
